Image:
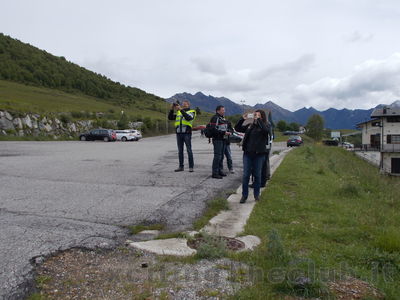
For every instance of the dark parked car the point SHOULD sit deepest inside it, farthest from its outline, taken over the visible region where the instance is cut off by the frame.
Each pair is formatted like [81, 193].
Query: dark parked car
[290, 132]
[294, 141]
[331, 142]
[106, 135]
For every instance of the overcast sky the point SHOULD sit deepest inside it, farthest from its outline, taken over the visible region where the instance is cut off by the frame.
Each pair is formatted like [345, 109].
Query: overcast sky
[342, 54]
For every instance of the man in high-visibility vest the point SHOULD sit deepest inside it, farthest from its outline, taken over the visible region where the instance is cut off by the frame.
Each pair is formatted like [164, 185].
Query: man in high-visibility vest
[184, 117]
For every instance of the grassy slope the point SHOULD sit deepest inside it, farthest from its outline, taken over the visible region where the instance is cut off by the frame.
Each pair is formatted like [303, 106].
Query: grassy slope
[24, 98]
[329, 207]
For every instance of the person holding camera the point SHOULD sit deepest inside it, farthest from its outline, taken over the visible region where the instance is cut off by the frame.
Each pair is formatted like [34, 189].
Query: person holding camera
[184, 117]
[266, 169]
[221, 132]
[257, 131]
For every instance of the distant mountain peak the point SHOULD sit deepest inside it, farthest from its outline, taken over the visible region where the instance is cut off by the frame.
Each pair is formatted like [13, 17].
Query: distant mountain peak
[200, 94]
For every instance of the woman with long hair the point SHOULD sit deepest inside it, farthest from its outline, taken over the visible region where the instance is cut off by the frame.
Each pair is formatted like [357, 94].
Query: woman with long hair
[257, 131]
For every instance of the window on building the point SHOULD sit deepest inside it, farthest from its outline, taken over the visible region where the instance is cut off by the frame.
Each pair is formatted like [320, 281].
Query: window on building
[393, 139]
[393, 119]
[376, 124]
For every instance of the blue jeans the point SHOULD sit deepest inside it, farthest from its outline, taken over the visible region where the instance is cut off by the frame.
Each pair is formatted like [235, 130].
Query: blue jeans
[252, 164]
[185, 138]
[219, 150]
[228, 155]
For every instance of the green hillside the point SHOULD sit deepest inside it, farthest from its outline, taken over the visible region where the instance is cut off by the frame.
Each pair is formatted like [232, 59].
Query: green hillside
[26, 64]
[23, 98]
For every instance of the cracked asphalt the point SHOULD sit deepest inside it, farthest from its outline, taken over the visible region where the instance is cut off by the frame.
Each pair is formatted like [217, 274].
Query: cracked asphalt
[60, 195]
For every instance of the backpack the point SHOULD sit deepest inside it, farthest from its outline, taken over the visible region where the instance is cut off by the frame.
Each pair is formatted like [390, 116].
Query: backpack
[209, 131]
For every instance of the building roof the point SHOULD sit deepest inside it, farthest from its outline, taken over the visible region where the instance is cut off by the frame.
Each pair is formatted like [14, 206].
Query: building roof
[386, 111]
[368, 121]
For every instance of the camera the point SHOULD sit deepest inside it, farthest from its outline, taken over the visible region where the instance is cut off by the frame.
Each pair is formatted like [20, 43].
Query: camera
[176, 103]
[250, 116]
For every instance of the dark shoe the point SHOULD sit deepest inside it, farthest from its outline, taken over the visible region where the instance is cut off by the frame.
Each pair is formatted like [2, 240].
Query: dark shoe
[243, 199]
[251, 185]
[232, 171]
[222, 174]
[262, 186]
[190, 170]
[179, 170]
[216, 176]
[257, 198]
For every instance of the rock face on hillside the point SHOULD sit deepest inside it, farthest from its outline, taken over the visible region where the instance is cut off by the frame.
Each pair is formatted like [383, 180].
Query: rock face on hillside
[36, 125]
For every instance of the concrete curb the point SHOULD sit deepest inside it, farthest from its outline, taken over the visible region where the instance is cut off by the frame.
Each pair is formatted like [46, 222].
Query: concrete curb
[229, 223]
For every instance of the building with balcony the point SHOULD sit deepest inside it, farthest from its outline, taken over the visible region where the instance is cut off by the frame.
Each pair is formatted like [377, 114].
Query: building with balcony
[382, 134]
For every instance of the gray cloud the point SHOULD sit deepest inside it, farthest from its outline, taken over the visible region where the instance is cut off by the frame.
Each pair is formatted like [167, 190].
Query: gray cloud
[356, 36]
[209, 65]
[302, 64]
[371, 81]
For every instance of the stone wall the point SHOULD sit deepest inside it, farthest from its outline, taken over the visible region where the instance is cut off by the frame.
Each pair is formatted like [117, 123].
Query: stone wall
[36, 125]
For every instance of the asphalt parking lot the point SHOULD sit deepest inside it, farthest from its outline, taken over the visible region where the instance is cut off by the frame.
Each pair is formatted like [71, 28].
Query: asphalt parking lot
[59, 195]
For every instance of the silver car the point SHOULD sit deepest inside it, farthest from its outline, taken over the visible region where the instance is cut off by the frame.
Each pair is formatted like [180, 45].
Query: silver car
[137, 133]
[126, 135]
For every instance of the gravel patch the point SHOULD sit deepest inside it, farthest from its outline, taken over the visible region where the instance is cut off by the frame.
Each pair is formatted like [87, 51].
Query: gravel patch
[127, 273]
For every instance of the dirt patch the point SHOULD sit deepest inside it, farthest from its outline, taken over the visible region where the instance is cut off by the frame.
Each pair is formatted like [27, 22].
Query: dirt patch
[128, 273]
[353, 288]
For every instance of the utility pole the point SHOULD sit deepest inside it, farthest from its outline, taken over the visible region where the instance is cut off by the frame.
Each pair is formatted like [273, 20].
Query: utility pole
[166, 118]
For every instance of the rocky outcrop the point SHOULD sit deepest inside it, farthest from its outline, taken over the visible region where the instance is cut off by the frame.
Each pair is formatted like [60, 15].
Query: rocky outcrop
[19, 124]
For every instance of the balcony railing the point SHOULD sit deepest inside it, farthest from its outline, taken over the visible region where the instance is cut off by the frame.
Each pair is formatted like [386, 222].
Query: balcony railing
[384, 148]
[391, 148]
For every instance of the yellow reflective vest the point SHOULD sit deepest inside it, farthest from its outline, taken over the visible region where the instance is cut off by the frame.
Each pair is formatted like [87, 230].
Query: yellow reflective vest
[181, 122]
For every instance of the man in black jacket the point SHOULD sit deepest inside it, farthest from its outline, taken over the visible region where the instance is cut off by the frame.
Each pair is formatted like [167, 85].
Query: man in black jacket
[183, 117]
[220, 136]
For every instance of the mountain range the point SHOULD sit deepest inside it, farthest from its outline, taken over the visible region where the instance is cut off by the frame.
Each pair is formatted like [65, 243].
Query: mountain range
[334, 118]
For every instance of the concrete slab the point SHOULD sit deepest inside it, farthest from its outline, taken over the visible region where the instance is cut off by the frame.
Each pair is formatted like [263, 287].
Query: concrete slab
[250, 242]
[175, 247]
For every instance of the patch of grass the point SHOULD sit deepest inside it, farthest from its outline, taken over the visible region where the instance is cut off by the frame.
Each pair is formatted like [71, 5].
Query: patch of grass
[330, 223]
[210, 293]
[37, 296]
[276, 152]
[178, 259]
[349, 190]
[213, 208]
[135, 229]
[212, 248]
[172, 235]
[42, 280]
[389, 240]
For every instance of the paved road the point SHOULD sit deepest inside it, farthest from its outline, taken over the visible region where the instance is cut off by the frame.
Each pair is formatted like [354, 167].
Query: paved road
[58, 195]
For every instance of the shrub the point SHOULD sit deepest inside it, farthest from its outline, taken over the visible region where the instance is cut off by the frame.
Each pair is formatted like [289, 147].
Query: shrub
[65, 118]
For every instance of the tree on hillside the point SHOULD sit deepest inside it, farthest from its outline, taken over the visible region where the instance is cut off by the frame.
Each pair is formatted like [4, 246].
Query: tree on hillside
[315, 127]
[282, 126]
[123, 122]
[294, 126]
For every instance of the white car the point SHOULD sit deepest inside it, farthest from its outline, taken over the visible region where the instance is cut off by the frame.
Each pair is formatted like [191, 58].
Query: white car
[347, 145]
[137, 133]
[126, 135]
